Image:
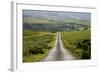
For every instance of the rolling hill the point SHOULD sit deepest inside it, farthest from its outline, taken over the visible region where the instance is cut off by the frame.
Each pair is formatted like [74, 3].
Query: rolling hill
[55, 21]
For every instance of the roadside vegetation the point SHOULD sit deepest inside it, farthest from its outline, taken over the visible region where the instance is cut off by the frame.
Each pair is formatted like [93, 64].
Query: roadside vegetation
[78, 42]
[36, 45]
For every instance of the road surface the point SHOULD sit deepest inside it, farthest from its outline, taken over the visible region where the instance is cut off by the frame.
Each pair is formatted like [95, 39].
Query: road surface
[58, 53]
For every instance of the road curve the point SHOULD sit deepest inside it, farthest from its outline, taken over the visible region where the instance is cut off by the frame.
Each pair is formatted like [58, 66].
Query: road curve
[58, 53]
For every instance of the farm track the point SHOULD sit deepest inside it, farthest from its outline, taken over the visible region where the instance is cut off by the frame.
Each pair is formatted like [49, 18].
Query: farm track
[58, 52]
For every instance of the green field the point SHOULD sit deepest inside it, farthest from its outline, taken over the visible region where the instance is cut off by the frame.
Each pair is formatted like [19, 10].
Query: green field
[78, 42]
[36, 45]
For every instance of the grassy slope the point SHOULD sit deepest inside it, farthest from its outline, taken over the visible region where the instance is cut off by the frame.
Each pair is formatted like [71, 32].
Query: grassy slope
[78, 42]
[36, 45]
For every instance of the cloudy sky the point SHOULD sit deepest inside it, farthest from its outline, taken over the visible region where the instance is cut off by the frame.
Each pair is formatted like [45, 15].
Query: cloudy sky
[56, 14]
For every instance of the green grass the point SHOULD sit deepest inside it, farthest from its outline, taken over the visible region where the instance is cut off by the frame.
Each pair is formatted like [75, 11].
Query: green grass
[79, 42]
[27, 32]
[36, 45]
[34, 58]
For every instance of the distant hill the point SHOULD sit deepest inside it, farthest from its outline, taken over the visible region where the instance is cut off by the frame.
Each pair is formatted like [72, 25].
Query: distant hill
[55, 21]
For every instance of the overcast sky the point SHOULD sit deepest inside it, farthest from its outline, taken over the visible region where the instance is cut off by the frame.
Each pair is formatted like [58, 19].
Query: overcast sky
[56, 14]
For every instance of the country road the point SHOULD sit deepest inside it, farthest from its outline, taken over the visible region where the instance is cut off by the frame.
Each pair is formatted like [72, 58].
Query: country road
[58, 53]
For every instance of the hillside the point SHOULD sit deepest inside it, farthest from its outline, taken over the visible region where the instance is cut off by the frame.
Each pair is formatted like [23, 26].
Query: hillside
[54, 25]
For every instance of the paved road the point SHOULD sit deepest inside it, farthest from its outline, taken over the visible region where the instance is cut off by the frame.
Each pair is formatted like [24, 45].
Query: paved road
[58, 53]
